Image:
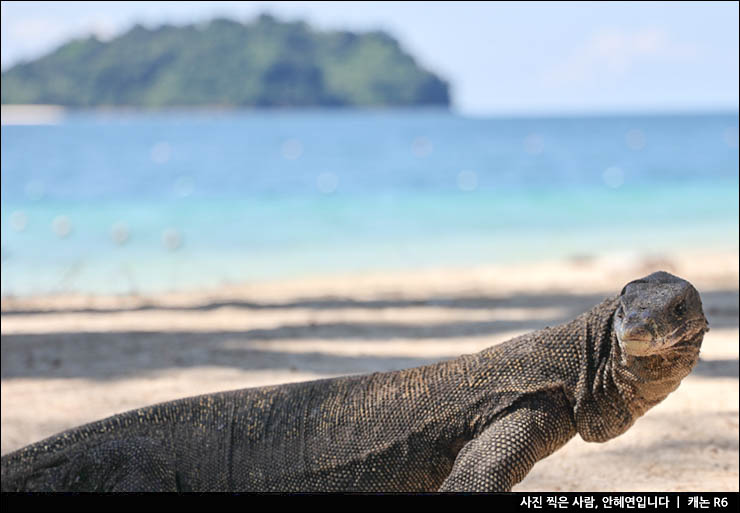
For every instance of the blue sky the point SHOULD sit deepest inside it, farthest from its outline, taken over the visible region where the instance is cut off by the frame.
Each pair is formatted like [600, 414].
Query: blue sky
[501, 57]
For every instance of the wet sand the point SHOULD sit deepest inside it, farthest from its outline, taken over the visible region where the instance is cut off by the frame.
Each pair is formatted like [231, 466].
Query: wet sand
[71, 359]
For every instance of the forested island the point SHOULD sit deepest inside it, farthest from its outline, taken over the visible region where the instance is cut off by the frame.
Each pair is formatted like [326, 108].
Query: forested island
[226, 63]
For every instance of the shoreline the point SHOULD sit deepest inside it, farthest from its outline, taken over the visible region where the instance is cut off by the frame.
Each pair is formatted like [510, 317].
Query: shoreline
[14, 115]
[715, 269]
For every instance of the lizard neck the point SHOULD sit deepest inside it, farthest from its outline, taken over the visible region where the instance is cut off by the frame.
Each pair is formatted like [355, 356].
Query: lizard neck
[644, 381]
[614, 388]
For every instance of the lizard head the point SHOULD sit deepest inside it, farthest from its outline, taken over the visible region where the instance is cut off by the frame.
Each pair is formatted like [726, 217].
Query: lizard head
[656, 313]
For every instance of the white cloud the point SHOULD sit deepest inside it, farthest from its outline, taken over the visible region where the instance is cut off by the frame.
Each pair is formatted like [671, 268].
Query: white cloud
[613, 52]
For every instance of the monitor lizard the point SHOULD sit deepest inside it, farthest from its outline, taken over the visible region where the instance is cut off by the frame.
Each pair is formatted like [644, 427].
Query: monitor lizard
[475, 423]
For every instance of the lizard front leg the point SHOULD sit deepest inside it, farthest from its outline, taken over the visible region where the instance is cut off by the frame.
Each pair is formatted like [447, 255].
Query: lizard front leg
[507, 450]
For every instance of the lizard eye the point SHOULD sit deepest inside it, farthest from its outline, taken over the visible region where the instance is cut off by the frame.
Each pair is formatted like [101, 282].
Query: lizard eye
[620, 312]
[680, 308]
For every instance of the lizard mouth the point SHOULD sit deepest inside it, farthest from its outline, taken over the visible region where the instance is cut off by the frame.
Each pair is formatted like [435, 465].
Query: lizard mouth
[639, 346]
[637, 340]
[641, 342]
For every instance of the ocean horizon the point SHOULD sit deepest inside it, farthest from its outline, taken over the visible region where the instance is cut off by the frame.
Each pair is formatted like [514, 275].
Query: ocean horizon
[141, 202]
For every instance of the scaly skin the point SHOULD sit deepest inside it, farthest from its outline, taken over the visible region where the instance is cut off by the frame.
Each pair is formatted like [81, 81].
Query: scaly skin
[476, 423]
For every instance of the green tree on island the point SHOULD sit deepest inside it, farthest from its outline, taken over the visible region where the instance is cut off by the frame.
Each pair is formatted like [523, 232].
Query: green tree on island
[265, 63]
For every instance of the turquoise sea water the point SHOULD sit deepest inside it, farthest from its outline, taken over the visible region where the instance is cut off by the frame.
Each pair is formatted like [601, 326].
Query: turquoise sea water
[148, 202]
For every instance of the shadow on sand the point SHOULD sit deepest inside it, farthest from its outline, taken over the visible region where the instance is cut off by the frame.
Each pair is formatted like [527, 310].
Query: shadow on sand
[116, 354]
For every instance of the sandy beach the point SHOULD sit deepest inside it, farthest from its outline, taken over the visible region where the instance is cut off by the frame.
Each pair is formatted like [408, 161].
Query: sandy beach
[72, 359]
